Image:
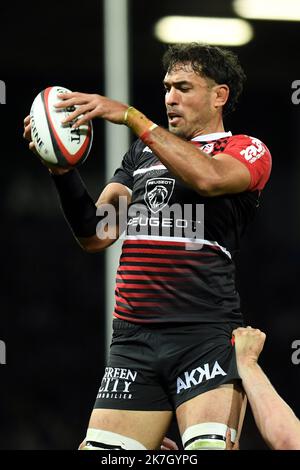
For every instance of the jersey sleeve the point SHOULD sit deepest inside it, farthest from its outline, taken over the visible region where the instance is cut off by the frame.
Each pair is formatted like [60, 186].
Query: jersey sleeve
[124, 174]
[255, 155]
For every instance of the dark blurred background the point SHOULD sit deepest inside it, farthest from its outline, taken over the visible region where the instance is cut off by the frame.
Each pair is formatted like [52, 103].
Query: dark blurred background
[52, 293]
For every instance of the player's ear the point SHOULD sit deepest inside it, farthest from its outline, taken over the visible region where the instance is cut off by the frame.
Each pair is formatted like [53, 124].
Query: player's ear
[221, 94]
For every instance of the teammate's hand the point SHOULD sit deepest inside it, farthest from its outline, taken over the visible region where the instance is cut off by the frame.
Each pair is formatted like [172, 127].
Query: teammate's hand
[249, 343]
[168, 444]
[229, 444]
[27, 136]
[91, 106]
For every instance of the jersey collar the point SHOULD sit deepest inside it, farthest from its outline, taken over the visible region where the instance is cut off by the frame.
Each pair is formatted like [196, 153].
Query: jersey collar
[213, 136]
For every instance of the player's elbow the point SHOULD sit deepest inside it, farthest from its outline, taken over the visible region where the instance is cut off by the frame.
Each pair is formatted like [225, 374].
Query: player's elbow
[90, 245]
[95, 244]
[218, 185]
[224, 180]
[209, 187]
[91, 249]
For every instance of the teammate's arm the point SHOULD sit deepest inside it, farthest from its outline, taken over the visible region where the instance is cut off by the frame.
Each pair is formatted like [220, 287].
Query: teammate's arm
[275, 420]
[208, 176]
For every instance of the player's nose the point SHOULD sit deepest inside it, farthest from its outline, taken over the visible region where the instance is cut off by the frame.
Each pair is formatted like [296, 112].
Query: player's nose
[172, 97]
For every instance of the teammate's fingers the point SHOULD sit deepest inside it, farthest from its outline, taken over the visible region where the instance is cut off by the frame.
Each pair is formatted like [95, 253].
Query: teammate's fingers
[27, 120]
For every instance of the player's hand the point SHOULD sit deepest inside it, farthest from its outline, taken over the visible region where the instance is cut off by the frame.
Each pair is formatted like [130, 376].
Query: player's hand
[249, 343]
[91, 106]
[27, 136]
[168, 444]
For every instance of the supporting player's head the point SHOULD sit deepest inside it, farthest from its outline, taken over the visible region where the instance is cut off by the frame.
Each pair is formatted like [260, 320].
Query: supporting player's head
[202, 84]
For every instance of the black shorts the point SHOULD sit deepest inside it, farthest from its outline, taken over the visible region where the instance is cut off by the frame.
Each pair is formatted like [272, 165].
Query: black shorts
[158, 367]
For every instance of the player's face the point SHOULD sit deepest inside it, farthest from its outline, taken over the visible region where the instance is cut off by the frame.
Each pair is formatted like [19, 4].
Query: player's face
[189, 101]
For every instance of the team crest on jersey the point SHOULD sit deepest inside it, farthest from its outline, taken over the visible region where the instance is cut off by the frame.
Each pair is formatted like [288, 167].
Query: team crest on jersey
[158, 193]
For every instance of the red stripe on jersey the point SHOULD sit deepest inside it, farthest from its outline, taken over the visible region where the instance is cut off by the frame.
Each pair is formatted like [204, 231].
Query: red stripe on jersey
[142, 312]
[151, 268]
[154, 242]
[150, 295]
[158, 251]
[128, 318]
[159, 260]
[206, 250]
[138, 304]
[150, 277]
[153, 287]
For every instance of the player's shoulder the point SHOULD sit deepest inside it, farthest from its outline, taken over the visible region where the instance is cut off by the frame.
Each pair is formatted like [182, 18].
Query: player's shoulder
[133, 154]
[244, 138]
[137, 148]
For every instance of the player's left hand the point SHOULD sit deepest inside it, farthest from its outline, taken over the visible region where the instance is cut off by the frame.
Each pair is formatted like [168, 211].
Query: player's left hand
[91, 106]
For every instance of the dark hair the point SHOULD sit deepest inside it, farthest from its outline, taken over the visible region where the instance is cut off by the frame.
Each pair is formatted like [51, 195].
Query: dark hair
[218, 64]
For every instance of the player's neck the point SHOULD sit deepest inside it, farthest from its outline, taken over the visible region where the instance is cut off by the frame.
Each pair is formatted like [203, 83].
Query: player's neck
[212, 127]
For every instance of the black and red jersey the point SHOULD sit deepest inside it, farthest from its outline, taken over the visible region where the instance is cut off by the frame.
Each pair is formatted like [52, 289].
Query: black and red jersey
[177, 256]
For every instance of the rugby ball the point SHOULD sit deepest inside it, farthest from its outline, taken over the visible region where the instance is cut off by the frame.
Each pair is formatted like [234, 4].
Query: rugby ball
[58, 144]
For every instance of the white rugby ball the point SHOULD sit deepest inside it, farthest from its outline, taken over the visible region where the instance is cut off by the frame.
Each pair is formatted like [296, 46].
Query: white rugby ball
[56, 143]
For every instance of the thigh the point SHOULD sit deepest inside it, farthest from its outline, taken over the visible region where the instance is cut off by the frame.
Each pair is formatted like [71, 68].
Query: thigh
[146, 427]
[131, 400]
[131, 380]
[204, 360]
[220, 405]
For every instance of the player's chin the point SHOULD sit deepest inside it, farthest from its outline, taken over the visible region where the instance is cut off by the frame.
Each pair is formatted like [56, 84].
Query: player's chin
[179, 132]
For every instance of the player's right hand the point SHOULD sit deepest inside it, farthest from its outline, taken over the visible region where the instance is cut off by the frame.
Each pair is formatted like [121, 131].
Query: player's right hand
[27, 136]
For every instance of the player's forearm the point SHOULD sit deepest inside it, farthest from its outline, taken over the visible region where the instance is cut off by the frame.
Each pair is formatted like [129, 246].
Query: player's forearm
[275, 420]
[185, 161]
[181, 158]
